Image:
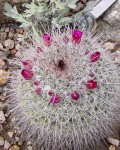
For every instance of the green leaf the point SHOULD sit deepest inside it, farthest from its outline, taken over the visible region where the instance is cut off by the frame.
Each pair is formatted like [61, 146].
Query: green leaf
[89, 6]
[7, 6]
[59, 5]
[55, 22]
[72, 4]
[78, 15]
[65, 20]
[24, 25]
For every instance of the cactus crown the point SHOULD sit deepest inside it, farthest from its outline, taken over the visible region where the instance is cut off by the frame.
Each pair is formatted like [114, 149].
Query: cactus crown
[66, 92]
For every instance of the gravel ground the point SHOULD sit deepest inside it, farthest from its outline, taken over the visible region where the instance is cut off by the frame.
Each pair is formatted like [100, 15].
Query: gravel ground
[9, 137]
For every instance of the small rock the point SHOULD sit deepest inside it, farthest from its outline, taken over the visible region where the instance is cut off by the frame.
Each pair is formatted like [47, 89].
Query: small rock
[112, 147]
[9, 44]
[109, 45]
[7, 29]
[1, 46]
[11, 34]
[114, 142]
[4, 76]
[1, 141]
[10, 134]
[6, 145]
[19, 30]
[3, 96]
[1, 128]
[29, 143]
[14, 147]
[2, 106]
[13, 51]
[117, 59]
[2, 29]
[2, 63]
[3, 36]
[17, 139]
[20, 142]
[2, 117]
[17, 46]
[29, 148]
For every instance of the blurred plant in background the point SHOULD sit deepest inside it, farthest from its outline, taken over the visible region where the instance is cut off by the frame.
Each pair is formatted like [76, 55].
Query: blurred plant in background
[39, 15]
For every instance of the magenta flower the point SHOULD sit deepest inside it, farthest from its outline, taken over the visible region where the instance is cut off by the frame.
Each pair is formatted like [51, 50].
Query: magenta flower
[27, 64]
[95, 56]
[47, 39]
[51, 93]
[27, 74]
[38, 91]
[91, 84]
[91, 74]
[36, 82]
[76, 36]
[55, 99]
[75, 95]
[39, 50]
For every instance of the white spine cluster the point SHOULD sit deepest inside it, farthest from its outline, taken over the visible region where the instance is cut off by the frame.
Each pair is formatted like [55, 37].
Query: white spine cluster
[64, 67]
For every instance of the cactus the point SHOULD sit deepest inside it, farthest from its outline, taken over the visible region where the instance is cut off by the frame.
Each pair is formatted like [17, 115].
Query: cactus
[66, 93]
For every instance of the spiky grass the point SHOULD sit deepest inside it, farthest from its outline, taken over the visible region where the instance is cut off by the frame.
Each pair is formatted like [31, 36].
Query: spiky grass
[64, 67]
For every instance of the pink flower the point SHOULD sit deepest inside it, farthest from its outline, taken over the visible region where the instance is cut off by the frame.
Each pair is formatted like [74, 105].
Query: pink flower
[91, 84]
[55, 99]
[51, 93]
[47, 39]
[65, 39]
[27, 64]
[36, 82]
[95, 56]
[38, 91]
[91, 74]
[75, 95]
[76, 36]
[27, 74]
[39, 50]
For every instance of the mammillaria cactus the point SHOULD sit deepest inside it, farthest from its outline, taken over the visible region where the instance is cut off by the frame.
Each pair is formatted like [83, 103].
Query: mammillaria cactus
[66, 94]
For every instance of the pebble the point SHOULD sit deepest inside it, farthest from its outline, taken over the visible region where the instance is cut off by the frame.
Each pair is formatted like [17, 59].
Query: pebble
[109, 45]
[14, 147]
[11, 34]
[2, 63]
[1, 46]
[4, 76]
[10, 134]
[20, 142]
[17, 139]
[9, 44]
[7, 29]
[3, 96]
[2, 117]
[29, 148]
[17, 46]
[114, 142]
[3, 36]
[29, 143]
[13, 51]
[20, 30]
[6, 145]
[117, 59]
[1, 141]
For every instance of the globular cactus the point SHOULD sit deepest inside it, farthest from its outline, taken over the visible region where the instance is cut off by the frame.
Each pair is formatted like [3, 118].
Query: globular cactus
[66, 93]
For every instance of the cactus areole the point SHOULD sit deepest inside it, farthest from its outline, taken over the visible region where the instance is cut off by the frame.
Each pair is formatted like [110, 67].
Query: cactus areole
[66, 94]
